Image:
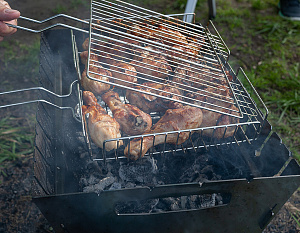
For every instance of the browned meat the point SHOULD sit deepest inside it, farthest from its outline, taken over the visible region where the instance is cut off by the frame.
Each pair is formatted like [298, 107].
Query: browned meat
[85, 44]
[195, 44]
[101, 126]
[211, 118]
[123, 71]
[149, 103]
[168, 36]
[123, 49]
[191, 76]
[97, 87]
[178, 52]
[102, 58]
[173, 120]
[132, 120]
[151, 63]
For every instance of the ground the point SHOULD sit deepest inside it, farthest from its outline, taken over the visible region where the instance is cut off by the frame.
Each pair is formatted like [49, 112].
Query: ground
[17, 212]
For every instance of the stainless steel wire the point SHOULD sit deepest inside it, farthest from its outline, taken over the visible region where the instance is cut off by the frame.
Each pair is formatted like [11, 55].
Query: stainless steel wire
[112, 22]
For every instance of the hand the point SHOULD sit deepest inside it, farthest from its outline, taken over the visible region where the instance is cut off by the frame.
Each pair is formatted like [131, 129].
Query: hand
[9, 16]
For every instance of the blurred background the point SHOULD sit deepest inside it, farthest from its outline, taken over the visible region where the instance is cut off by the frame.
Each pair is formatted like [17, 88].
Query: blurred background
[266, 46]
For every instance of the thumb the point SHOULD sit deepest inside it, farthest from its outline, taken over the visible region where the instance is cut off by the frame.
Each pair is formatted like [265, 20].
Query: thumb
[7, 14]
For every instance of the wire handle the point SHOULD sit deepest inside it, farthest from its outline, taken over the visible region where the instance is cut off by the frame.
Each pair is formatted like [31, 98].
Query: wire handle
[52, 26]
[75, 115]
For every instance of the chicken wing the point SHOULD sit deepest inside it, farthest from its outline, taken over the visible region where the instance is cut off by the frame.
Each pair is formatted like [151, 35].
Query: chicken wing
[149, 103]
[132, 120]
[101, 126]
[173, 120]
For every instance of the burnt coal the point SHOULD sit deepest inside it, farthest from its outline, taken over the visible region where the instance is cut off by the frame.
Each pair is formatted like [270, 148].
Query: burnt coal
[188, 167]
[141, 171]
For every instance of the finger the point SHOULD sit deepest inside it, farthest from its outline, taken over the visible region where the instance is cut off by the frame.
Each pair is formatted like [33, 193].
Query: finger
[6, 30]
[7, 14]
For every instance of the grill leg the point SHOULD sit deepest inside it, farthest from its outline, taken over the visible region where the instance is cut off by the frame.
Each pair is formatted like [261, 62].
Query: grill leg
[190, 8]
[212, 9]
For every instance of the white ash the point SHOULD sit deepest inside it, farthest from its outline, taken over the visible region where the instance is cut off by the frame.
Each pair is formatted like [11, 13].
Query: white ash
[147, 171]
[115, 186]
[142, 172]
[100, 186]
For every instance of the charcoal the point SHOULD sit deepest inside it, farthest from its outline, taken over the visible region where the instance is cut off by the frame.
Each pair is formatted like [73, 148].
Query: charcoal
[142, 171]
[135, 207]
[155, 171]
[100, 186]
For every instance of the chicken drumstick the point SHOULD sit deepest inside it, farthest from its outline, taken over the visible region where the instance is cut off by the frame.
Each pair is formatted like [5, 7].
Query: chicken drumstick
[173, 120]
[101, 126]
[132, 120]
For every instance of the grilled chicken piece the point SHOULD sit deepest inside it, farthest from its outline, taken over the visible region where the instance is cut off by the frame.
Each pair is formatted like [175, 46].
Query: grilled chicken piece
[179, 52]
[149, 103]
[101, 126]
[173, 120]
[85, 44]
[123, 71]
[151, 63]
[100, 58]
[170, 37]
[211, 118]
[97, 87]
[116, 50]
[193, 76]
[142, 30]
[123, 49]
[164, 34]
[132, 120]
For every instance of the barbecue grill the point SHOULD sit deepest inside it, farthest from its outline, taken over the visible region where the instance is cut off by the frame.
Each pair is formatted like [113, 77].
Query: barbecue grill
[206, 184]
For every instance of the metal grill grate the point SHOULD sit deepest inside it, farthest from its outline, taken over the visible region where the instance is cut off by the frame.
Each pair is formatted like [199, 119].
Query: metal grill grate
[163, 51]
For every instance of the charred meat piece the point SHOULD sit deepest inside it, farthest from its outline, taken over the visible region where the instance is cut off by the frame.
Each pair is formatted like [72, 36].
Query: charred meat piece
[164, 34]
[123, 71]
[101, 126]
[173, 120]
[132, 120]
[151, 63]
[149, 103]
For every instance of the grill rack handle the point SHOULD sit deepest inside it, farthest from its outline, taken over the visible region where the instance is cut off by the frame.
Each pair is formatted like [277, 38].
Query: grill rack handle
[65, 25]
[51, 26]
[76, 116]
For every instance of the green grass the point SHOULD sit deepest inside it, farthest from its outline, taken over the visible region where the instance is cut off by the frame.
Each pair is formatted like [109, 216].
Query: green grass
[296, 217]
[16, 139]
[19, 60]
[267, 47]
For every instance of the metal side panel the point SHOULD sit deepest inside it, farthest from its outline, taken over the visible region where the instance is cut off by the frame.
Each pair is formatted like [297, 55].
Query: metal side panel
[251, 207]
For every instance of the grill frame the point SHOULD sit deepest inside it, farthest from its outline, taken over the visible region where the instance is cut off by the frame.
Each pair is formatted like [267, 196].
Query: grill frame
[80, 212]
